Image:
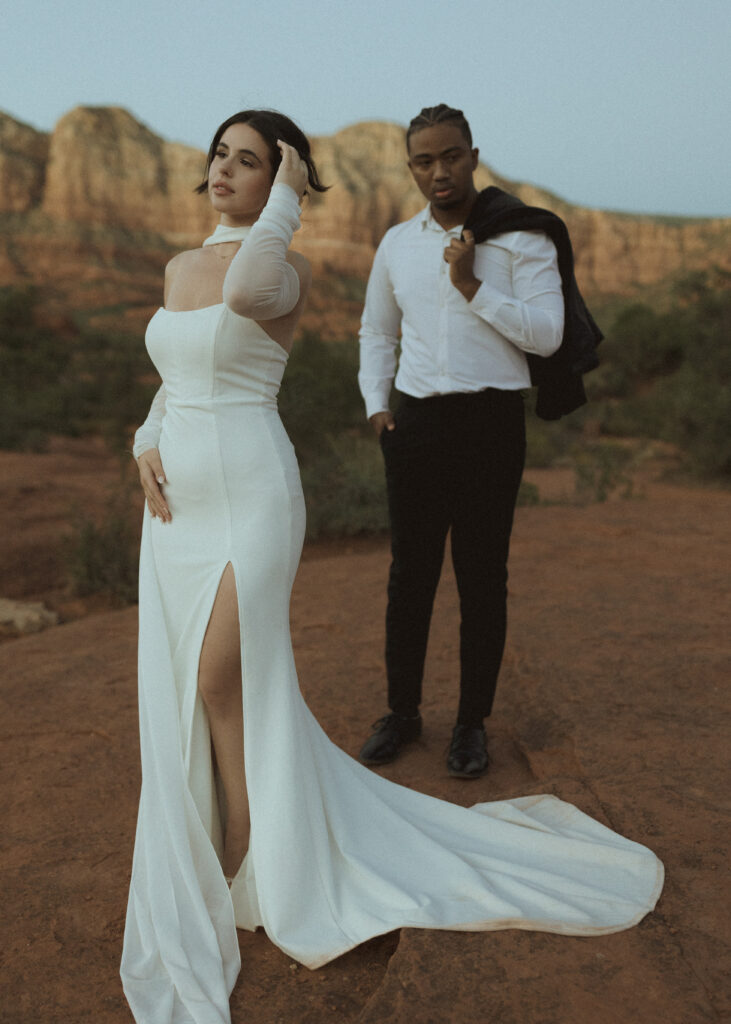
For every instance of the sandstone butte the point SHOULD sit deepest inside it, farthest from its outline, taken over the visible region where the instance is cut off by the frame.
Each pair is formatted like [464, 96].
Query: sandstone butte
[94, 209]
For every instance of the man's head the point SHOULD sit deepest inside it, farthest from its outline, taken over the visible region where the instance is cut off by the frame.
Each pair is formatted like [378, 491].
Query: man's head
[441, 157]
[441, 114]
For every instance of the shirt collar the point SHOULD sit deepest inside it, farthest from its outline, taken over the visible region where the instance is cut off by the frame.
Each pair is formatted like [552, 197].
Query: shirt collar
[428, 223]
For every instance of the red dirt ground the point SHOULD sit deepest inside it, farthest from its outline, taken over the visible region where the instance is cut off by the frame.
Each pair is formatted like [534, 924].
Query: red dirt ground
[612, 696]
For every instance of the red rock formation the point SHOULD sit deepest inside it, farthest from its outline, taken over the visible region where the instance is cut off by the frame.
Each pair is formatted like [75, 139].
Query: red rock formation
[93, 212]
[105, 168]
[23, 159]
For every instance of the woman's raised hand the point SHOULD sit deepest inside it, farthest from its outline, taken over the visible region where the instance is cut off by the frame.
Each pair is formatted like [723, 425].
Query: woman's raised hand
[293, 170]
[152, 477]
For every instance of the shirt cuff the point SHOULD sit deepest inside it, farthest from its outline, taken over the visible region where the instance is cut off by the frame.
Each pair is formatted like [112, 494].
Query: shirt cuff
[374, 403]
[487, 301]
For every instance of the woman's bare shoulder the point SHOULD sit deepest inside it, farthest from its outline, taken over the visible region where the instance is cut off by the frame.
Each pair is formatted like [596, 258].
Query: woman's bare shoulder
[183, 259]
[182, 267]
[187, 260]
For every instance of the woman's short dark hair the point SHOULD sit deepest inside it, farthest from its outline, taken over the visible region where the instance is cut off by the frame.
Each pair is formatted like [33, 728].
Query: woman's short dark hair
[271, 125]
[429, 116]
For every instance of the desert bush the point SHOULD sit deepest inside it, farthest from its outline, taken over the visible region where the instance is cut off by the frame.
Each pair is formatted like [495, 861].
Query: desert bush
[642, 345]
[71, 383]
[31, 363]
[345, 488]
[698, 419]
[111, 390]
[667, 375]
[319, 398]
[550, 442]
[528, 494]
[102, 554]
[341, 463]
[601, 469]
[637, 416]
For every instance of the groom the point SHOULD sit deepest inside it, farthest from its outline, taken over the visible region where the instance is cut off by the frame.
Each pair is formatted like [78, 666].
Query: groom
[467, 316]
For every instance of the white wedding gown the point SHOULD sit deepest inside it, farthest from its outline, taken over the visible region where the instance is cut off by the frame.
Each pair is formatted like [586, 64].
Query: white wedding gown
[337, 853]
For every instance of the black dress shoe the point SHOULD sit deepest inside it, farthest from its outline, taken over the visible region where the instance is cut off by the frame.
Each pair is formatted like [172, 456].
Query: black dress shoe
[391, 733]
[467, 757]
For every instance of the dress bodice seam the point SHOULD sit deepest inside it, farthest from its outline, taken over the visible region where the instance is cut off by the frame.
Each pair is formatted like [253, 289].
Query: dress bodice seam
[227, 309]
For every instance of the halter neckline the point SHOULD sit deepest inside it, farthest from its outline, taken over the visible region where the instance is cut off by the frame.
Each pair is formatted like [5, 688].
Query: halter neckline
[228, 234]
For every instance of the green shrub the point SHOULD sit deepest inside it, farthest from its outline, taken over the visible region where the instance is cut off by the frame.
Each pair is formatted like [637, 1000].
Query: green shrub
[643, 345]
[102, 556]
[528, 494]
[637, 416]
[345, 488]
[698, 419]
[601, 470]
[31, 362]
[550, 442]
[667, 375]
[71, 383]
[340, 461]
[319, 397]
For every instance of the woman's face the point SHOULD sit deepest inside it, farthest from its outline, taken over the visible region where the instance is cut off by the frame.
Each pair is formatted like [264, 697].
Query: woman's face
[240, 176]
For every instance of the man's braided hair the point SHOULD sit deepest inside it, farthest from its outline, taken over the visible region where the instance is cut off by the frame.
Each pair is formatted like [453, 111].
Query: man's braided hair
[430, 116]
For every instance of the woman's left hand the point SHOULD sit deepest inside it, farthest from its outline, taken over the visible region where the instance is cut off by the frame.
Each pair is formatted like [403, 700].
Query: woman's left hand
[293, 170]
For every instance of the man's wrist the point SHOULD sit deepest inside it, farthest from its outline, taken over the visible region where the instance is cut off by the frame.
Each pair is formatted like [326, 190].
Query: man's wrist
[469, 287]
[374, 405]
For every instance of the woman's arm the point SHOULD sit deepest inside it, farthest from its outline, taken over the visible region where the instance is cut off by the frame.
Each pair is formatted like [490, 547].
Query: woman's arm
[148, 435]
[145, 451]
[260, 283]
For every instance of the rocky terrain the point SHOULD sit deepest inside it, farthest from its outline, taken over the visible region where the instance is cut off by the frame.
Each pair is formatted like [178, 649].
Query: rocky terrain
[94, 209]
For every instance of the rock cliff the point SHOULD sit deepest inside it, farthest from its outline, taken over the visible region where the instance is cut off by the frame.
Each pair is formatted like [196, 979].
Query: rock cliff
[23, 159]
[105, 168]
[93, 211]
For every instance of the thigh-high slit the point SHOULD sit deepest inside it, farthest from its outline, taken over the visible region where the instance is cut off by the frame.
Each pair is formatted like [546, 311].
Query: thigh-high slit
[220, 686]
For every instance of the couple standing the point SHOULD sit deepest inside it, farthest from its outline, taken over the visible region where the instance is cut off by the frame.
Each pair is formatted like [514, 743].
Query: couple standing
[249, 816]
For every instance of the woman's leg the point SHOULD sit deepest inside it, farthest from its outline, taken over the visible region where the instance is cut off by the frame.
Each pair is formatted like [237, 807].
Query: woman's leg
[219, 682]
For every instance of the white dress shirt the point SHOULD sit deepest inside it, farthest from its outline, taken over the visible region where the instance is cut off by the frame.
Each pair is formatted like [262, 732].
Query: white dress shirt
[447, 343]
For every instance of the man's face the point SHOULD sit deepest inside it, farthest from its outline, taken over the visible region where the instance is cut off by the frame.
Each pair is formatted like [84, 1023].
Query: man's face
[442, 164]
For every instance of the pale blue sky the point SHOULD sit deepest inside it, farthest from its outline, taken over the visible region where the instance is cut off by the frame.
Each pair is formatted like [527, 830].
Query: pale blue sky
[620, 104]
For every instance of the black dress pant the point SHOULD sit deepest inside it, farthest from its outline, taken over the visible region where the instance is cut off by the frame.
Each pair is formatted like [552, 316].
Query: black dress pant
[453, 462]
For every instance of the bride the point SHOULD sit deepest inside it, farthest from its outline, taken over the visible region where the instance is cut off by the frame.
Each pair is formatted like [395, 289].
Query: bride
[249, 816]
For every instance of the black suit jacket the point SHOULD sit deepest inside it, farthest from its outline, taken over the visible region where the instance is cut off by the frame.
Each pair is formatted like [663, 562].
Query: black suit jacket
[559, 376]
